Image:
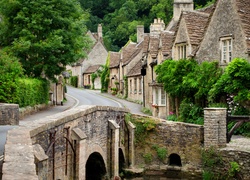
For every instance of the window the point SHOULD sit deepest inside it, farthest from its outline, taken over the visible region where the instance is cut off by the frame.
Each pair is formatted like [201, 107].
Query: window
[130, 84]
[181, 51]
[135, 85]
[159, 96]
[140, 85]
[226, 50]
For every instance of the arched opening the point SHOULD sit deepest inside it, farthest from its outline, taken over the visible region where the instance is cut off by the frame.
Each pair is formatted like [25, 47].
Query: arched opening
[121, 161]
[175, 160]
[95, 167]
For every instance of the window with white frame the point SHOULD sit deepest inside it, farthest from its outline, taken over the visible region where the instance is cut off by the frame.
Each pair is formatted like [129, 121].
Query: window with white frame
[226, 50]
[135, 85]
[159, 96]
[181, 51]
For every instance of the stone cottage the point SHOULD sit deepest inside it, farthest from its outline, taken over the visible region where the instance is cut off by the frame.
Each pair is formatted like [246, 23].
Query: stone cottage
[87, 79]
[227, 34]
[96, 56]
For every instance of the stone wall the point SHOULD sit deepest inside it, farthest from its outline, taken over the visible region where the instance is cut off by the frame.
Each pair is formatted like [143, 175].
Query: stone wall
[185, 140]
[9, 114]
[215, 127]
[53, 143]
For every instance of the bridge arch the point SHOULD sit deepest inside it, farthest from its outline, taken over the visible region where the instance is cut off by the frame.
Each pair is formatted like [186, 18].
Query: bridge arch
[95, 167]
[174, 160]
[121, 160]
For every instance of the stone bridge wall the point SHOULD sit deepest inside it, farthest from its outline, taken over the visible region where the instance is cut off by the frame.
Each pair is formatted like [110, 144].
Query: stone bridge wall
[83, 126]
[9, 114]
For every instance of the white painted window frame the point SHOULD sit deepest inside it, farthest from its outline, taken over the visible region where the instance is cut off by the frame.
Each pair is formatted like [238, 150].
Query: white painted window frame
[159, 96]
[226, 44]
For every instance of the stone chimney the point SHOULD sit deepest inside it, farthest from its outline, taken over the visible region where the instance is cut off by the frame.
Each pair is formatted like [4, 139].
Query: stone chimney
[99, 31]
[157, 27]
[140, 33]
[182, 5]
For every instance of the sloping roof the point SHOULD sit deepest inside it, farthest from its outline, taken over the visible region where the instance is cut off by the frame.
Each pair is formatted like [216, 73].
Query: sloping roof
[136, 70]
[92, 69]
[196, 23]
[114, 59]
[129, 52]
[166, 42]
[154, 46]
[209, 9]
[244, 14]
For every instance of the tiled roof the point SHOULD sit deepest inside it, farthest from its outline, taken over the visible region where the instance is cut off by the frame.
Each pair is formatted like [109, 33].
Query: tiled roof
[208, 9]
[154, 46]
[196, 23]
[129, 52]
[92, 69]
[244, 14]
[136, 70]
[167, 41]
[114, 59]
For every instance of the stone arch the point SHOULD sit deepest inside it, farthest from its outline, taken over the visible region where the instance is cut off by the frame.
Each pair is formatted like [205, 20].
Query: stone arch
[174, 160]
[95, 167]
[121, 160]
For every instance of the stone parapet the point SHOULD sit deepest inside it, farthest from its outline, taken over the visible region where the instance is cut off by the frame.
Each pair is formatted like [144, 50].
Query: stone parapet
[9, 114]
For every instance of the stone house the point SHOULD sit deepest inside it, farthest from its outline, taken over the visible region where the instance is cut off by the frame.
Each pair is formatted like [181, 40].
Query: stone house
[114, 65]
[227, 34]
[87, 79]
[96, 56]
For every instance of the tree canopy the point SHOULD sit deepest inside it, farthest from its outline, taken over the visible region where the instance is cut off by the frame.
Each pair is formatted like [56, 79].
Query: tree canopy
[44, 35]
[119, 18]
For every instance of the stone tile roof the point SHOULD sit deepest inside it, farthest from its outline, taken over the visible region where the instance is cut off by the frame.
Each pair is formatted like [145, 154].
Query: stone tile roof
[243, 9]
[129, 52]
[146, 43]
[154, 46]
[114, 59]
[196, 24]
[136, 70]
[92, 69]
[208, 9]
[166, 43]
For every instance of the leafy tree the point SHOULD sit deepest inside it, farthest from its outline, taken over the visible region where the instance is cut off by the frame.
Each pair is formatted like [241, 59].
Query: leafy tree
[234, 82]
[10, 70]
[44, 35]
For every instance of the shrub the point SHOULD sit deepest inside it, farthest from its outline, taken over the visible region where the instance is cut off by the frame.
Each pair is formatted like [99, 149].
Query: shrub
[74, 81]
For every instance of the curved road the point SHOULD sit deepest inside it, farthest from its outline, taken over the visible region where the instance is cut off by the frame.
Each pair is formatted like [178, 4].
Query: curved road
[87, 97]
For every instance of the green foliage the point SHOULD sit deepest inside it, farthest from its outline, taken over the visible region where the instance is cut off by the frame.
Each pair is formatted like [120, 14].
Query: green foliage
[191, 113]
[172, 117]
[235, 168]
[148, 158]
[93, 77]
[161, 152]
[10, 70]
[105, 75]
[146, 111]
[125, 78]
[31, 92]
[144, 125]
[74, 81]
[44, 35]
[235, 81]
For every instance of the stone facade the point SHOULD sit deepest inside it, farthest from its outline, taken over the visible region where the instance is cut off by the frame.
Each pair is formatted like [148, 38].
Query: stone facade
[9, 114]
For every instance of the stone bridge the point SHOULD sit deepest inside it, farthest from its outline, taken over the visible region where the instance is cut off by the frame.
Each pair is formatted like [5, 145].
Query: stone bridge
[90, 142]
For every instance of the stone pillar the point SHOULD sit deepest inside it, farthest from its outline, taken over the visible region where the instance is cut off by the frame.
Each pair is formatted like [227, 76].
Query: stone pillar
[113, 125]
[9, 114]
[131, 129]
[215, 127]
[140, 33]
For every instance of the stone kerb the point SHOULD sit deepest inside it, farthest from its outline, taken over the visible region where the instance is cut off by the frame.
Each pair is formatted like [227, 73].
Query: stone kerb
[9, 114]
[19, 159]
[215, 127]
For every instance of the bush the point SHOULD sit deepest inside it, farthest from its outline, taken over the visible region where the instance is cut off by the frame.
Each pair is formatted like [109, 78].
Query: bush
[74, 81]
[32, 91]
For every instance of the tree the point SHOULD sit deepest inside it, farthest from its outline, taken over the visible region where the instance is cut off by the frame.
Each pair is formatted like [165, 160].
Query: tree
[44, 35]
[235, 82]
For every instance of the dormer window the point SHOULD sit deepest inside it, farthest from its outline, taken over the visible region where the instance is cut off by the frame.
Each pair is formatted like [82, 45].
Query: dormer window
[181, 51]
[226, 50]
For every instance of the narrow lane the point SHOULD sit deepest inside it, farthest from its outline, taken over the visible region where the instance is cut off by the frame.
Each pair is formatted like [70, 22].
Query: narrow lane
[86, 97]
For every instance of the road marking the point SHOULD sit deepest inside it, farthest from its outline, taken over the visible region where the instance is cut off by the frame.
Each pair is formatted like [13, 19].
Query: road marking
[77, 101]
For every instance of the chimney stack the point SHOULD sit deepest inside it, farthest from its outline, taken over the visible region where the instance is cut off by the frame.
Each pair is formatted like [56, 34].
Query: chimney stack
[99, 31]
[140, 33]
[182, 5]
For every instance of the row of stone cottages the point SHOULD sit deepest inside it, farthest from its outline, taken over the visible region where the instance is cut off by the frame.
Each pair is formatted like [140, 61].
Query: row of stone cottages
[219, 32]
